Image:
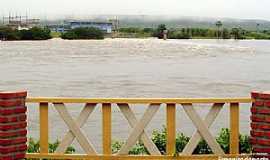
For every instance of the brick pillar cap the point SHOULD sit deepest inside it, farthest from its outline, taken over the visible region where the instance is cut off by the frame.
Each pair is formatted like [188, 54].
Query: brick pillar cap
[10, 94]
[260, 94]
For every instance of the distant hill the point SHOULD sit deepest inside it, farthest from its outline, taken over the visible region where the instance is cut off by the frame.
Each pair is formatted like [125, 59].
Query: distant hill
[176, 21]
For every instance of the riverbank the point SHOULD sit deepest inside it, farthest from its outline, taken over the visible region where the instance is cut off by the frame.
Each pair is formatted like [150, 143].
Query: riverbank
[136, 32]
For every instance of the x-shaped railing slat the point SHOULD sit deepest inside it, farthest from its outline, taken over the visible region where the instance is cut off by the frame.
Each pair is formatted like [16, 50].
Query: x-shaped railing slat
[209, 119]
[202, 128]
[75, 128]
[132, 120]
[138, 129]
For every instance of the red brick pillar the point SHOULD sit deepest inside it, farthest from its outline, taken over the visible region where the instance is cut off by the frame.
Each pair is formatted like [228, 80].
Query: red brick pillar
[260, 124]
[13, 125]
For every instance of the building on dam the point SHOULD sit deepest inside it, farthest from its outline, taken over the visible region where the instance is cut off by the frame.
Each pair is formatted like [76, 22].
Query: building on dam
[106, 27]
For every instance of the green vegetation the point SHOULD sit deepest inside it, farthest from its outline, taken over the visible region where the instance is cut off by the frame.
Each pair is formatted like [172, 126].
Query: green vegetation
[159, 31]
[83, 33]
[258, 35]
[34, 147]
[238, 33]
[133, 32]
[9, 34]
[219, 25]
[184, 33]
[56, 34]
[225, 33]
[219, 32]
[34, 33]
[159, 138]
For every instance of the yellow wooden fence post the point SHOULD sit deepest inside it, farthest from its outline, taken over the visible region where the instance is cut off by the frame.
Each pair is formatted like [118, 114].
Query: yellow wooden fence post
[106, 124]
[44, 127]
[234, 128]
[170, 145]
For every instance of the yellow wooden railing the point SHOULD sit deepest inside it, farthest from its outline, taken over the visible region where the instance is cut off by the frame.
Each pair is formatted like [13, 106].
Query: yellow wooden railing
[138, 126]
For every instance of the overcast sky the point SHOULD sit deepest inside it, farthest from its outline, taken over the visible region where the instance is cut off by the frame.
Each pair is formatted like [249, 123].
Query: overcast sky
[247, 9]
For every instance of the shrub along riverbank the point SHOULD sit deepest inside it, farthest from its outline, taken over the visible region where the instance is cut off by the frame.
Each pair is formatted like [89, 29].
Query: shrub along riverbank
[83, 33]
[159, 138]
[34, 33]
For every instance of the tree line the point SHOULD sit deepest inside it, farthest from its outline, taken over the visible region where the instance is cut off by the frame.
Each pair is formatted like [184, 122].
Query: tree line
[189, 33]
[83, 33]
[204, 33]
[35, 33]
